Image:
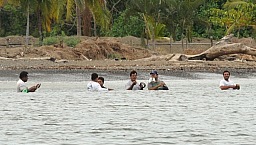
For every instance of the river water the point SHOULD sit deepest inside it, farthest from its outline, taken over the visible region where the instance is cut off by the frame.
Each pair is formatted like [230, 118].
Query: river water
[194, 110]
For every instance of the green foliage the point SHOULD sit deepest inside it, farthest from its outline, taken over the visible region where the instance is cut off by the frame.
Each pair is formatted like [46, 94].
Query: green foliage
[176, 18]
[50, 41]
[124, 27]
[13, 22]
[242, 16]
[111, 56]
[71, 42]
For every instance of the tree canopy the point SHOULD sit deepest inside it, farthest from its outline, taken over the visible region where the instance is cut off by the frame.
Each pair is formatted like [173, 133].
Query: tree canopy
[162, 18]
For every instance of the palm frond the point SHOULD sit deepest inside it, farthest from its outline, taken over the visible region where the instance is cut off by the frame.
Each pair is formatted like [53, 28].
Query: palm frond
[230, 29]
[70, 9]
[232, 4]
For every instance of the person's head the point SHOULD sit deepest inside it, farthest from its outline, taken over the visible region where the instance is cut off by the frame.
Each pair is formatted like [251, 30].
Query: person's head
[226, 74]
[154, 74]
[101, 81]
[94, 77]
[24, 76]
[133, 75]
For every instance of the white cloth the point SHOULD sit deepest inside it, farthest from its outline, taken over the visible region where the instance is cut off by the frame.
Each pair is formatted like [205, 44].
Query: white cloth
[94, 86]
[21, 86]
[227, 83]
[135, 87]
[151, 80]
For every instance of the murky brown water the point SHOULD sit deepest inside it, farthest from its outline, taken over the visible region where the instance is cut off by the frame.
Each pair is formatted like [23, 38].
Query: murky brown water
[193, 111]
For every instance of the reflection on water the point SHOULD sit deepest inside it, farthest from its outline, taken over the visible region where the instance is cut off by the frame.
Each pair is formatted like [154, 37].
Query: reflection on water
[193, 111]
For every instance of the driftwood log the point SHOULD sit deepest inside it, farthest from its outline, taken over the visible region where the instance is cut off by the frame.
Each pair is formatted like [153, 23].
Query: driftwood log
[222, 47]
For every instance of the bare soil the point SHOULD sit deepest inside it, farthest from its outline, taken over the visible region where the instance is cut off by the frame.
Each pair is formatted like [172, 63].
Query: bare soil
[109, 53]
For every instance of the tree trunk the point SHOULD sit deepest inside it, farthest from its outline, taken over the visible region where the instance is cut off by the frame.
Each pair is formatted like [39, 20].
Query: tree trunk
[39, 25]
[182, 42]
[87, 20]
[94, 26]
[223, 47]
[153, 39]
[78, 19]
[170, 43]
[0, 22]
[27, 29]
[182, 30]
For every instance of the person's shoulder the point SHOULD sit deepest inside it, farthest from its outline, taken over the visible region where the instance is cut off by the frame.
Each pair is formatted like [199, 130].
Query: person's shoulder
[128, 82]
[20, 81]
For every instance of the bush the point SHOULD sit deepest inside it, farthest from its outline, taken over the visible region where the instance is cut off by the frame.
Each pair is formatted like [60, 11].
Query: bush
[50, 41]
[71, 42]
[111, 56]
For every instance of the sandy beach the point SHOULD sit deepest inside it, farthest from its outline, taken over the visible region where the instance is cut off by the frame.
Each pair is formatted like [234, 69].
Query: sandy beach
[116, 54]
[204, 66]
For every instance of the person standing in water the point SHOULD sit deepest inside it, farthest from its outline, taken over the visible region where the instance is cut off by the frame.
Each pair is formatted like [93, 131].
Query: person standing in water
[101, 82]
[226, 84]
[21, 85]
[93, 85]
[154, 83]
[133, 84]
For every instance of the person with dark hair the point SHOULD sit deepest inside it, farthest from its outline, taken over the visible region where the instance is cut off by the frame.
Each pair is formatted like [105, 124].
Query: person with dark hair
[133, 84]
[93, 85]
[101, 82]
[226, 84]
[22, 87]
[154, 83]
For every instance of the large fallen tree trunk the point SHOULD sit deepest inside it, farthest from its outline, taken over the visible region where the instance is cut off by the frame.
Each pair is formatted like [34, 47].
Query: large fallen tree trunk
[222, 47]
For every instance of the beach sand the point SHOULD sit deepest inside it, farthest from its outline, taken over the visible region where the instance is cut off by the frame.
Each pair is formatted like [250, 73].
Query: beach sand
[207, 66]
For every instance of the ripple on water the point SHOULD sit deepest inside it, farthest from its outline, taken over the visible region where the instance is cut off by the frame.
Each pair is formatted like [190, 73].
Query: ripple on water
[193, 111]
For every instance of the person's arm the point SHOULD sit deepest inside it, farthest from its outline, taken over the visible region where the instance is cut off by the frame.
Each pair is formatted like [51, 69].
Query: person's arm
[110, 89]
[32, 89]
[130, 88]
[99, 88]
[154, 88]
[237, 87]
[227, 87]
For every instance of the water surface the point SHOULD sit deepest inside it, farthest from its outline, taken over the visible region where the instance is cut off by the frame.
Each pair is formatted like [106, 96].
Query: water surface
[193, 111]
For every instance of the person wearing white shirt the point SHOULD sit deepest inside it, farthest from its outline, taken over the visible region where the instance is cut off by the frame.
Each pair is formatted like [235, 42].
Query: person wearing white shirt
[22, 87]
[133, 84]
[93, 85]
[226, 84]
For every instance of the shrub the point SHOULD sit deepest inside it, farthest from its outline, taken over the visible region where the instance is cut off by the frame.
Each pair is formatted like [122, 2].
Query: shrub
[71, 42]
[111, 56]
[50, 41]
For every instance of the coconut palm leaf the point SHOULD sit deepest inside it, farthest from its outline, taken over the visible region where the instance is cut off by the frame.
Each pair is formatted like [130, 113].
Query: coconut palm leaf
[231, 28]
[232, 4]
[101, 15]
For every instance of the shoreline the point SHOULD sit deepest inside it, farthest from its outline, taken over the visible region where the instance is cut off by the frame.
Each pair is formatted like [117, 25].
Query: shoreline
[108, 65]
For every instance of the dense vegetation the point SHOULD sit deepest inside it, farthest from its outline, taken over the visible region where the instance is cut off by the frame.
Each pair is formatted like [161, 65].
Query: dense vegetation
[141, 18]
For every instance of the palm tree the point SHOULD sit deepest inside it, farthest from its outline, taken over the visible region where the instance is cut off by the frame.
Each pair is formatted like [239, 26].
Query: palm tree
[25, 5]
[231, 4]
[71, 7]
[182, 13]
[1, 3]
[100, 14]
[94, 7]
[43, 9]
[149, 11]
